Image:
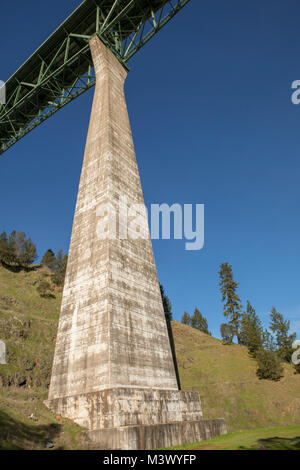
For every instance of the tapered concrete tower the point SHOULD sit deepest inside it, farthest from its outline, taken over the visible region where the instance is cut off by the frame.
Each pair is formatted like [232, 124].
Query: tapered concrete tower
[113, 370]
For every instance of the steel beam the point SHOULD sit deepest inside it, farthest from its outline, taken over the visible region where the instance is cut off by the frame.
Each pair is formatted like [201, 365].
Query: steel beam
[61, 68]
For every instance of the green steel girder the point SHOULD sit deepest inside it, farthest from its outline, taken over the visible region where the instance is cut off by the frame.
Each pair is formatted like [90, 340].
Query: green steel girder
[61, 68]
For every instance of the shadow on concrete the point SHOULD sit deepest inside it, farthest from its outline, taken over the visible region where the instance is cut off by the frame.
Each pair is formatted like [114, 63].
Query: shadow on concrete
[172, 344]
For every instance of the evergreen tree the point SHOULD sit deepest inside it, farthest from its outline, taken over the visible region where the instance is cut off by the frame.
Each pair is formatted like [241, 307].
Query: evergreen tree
[232, 306]
[199, 322]
[49, 260]
[12, 245]
[251, 330]
[60, 269]
[3, 237]
[28, 253]
[19, 242]
[167, 304]
[3, 242]
[6, 255]
[186, 319]
[268, 341]
[284, 341]
[227, 333]
[63, 266]
[269, 365]
[21, 250]
[59, 259]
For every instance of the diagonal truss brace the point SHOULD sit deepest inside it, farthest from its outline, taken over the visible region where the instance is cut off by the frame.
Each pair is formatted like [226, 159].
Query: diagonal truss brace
[61, 75]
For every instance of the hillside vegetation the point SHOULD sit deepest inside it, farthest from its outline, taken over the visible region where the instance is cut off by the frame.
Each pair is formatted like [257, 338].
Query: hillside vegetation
[225, 376]
[275, 438]
[28, 324]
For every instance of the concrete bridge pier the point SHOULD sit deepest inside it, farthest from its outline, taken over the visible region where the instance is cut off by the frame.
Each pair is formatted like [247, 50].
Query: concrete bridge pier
[113, 370]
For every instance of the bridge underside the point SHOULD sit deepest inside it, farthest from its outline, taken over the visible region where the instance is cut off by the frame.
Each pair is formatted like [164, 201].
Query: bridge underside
[61, 69]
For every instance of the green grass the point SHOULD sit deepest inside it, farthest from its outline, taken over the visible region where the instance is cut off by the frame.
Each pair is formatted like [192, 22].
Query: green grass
[277, 438]
[226, 378]
[26, 423]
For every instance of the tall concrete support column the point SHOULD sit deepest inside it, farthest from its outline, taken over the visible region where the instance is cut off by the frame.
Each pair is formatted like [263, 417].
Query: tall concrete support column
[113, 370]
[112, 330]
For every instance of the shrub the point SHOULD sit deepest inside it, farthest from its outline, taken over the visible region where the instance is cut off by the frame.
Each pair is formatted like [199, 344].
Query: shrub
[43, 288]
[57, 279]
[269, 365]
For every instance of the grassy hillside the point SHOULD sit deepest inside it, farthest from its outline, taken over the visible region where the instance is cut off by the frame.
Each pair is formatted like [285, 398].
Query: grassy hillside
[226, 378]
[28, 324]
[224, 375]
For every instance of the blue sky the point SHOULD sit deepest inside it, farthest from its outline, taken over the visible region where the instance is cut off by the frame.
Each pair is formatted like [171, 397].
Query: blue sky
[213, 123]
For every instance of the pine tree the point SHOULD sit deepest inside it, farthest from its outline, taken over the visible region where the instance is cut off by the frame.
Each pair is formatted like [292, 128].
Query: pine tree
[63, 266]
[19, 241]
[12, 245]
[3, 237]
[167, 304]
[227, 333]
[58, 277]
[232, 306]
[199, 322]
[268, 341]
[251, 330]
[186, 319]
[21, 250]
[28, 253]
[49, 260]
[59, 259]
[284, 341]
[5, 251]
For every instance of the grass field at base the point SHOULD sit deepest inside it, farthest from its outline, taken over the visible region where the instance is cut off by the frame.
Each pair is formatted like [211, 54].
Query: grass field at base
[276, 438]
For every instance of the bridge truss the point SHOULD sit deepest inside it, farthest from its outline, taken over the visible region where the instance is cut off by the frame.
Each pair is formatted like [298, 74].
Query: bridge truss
[61, 68]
